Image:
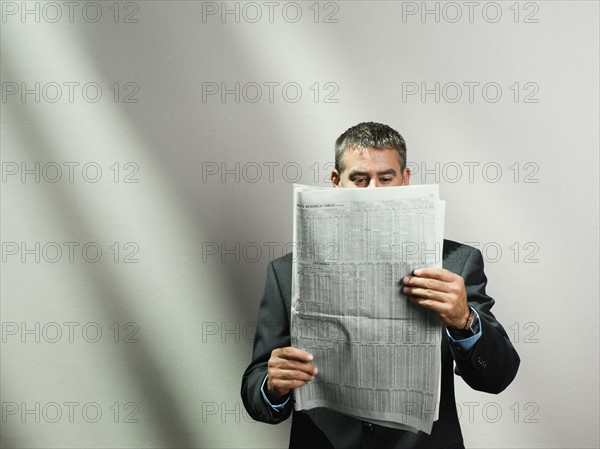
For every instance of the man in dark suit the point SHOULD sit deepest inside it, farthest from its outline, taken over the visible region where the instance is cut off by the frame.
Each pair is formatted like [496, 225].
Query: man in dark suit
[374, 155]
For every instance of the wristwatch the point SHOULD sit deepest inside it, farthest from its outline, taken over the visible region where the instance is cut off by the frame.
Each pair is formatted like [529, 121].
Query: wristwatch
[471, 327]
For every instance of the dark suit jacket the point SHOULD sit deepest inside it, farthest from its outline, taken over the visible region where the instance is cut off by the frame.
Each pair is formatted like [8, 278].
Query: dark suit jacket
[489, 366]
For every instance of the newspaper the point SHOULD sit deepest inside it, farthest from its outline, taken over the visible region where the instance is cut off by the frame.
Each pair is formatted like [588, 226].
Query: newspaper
[378, 354]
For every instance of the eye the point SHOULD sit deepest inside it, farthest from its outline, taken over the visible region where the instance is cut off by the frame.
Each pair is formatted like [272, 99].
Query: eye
[386, 179]
[359, 180]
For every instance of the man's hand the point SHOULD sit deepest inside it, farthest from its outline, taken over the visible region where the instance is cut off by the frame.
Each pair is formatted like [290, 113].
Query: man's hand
[441, 291]
[288, 368]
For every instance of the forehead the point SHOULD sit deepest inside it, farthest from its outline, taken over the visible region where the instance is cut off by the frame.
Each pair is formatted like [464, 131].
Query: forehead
[373, 158]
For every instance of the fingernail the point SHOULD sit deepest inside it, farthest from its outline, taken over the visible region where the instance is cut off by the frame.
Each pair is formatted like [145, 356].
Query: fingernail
[310, 357]
[405, 280]
[417, 271]
[316, 371]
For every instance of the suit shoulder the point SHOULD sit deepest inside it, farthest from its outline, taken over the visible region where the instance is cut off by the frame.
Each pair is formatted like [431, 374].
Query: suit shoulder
[451, 245]
[283, 265]
[458, 252]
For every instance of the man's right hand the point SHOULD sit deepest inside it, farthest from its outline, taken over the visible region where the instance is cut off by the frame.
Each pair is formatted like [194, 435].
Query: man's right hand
[288, 368]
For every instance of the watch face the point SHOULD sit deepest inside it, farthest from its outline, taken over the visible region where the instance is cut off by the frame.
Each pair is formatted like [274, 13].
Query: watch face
[474, 328]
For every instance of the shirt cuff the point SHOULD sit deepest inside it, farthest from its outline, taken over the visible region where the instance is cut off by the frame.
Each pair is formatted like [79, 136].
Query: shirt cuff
[276, 407]
[466, 344]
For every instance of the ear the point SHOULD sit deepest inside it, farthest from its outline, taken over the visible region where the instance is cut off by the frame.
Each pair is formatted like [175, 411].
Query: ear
[335, 178]
[405, 176]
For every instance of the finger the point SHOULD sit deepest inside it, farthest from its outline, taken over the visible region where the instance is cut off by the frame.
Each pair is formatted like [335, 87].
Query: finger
[292, 353]
[279, 374]
[421, 302]
[435, 273]
[426, 293]
[427, 283]
[291, 365]
[435, 306]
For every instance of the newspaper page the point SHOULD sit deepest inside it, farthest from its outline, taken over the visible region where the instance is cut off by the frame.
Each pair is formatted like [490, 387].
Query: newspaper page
[378, 354]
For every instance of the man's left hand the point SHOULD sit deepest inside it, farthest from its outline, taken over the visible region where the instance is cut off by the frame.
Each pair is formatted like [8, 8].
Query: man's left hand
[439, 290]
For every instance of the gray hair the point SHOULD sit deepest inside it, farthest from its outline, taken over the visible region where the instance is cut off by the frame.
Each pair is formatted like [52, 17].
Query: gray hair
[369, 135]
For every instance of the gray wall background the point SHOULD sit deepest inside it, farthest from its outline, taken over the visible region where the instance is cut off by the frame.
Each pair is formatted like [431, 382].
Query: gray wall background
[144, 344]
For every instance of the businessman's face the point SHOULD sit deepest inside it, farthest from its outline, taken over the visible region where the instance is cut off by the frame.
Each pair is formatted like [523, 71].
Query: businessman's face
[370, 167]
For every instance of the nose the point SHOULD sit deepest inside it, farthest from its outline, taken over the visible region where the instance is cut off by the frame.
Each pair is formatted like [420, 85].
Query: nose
[372, 182]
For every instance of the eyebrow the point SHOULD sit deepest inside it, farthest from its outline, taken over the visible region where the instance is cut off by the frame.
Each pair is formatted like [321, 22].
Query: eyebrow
[389, 171]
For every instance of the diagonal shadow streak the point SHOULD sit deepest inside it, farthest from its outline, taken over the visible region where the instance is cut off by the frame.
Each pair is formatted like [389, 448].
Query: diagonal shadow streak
[180, 164]
[158, 401]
